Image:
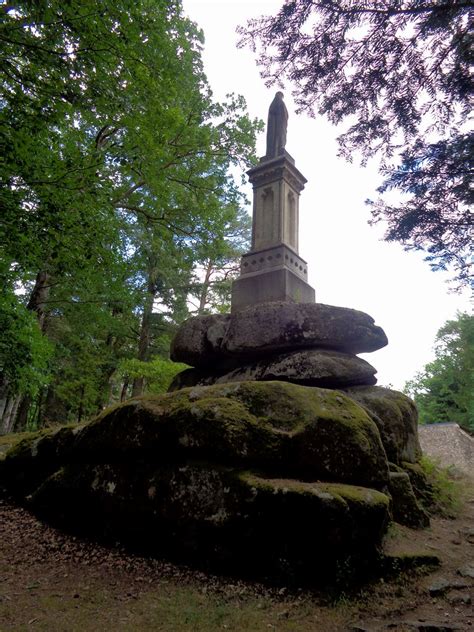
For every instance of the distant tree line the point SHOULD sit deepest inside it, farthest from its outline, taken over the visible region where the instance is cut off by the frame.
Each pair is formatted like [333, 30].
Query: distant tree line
[119, 213]
[444, 389]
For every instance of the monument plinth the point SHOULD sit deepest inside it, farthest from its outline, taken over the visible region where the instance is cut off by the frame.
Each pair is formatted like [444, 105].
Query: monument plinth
[273, 269]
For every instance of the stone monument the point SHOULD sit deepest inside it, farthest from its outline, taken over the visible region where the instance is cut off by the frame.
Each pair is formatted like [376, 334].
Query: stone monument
[275, 454]
[273, 269]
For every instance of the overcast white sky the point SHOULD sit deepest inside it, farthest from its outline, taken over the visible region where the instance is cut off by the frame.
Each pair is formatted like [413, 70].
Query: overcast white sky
[348, 263]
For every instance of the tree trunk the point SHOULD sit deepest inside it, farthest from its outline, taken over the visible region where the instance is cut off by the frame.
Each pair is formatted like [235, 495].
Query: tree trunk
[37, 303]
[39, 296]
[8, 420]
[53, 409]
[125, 385]
[4, 389]
[80, 411]
[145, 338]
[205, 288]
[22, 415]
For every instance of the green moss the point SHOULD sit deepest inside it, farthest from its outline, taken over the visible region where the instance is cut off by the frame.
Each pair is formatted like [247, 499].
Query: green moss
[9, 443]
[9, 440]
[35, 457]
[402, 562]
[284, 429]
[396, 418]
[356, 494]
[26, 446]
[352, 494]
[446, 493]
[406, 509]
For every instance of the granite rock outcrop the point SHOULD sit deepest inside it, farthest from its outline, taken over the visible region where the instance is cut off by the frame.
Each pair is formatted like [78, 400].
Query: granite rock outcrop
[242, 477]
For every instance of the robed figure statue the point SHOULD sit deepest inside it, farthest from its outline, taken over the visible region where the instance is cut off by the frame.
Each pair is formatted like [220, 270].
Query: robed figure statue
[276, 127]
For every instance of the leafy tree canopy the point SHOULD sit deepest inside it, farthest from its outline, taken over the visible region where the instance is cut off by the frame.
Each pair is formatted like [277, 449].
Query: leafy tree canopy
[107, 120]
[398, 73]
[115, 184]
[443, 391]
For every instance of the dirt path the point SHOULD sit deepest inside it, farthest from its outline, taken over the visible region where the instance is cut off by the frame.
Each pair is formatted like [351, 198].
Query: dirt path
[54, 582]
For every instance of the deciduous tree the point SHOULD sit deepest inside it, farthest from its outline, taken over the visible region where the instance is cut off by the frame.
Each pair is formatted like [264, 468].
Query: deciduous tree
[443, 390]
[114, 149]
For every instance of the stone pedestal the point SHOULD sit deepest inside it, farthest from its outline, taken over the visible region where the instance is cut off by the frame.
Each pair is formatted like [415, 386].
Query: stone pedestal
[273, 269]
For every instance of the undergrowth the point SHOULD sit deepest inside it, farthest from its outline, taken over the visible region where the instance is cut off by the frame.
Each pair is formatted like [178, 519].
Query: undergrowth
[447, 487]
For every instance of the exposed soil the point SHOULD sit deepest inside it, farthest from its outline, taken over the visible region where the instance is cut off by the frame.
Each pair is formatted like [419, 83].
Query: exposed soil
[56, 582]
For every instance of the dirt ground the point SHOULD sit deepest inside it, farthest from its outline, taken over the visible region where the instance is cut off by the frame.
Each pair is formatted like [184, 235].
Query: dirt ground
[55, 582]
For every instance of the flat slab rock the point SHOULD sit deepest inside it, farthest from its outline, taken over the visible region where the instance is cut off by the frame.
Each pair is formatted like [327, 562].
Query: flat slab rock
[269, 328]
[309, 367]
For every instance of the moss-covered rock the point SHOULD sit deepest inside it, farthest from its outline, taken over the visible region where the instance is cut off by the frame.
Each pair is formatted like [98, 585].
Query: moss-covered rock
[280, 428]
[309, 433]
[396, 417]
[406, 509]
[228, 518]
[422, 487]
[264, 477]
[35, 457]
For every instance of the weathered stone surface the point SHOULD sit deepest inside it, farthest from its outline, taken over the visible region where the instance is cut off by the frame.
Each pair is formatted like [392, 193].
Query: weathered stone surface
[467, 571]
[424, 626]
[396, 417]
[449, 445]
[309, 367]
[406, 509]
[230, 518]
[199, 339]
[274, 328]
[457, 599]
[442, 585]
[284, 326]
[293, 431]
[422, 488]
[227, 473]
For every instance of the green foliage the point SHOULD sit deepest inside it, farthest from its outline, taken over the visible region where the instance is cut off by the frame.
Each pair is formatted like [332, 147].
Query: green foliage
[446, 498]
[158, 372]
[398, 73]
[115, 185]
[218, 261]
[443, 391]
[24, 351]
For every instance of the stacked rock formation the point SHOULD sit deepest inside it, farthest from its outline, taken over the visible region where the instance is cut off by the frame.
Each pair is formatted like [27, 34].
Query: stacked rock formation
[308, 343]
[313, 345]
[275, 454]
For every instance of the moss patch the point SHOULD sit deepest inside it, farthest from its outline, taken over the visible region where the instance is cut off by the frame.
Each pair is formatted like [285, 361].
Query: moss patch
[283, 429]
[396, 417]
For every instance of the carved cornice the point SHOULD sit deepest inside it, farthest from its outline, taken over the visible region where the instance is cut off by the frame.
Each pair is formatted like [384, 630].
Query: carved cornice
[274, 170]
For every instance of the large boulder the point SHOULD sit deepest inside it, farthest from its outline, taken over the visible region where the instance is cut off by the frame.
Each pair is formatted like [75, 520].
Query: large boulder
[309, 367]
[258, 477]
[396, 417]
[199, 340]
[228, 518]
[294, 431]
[269, 328]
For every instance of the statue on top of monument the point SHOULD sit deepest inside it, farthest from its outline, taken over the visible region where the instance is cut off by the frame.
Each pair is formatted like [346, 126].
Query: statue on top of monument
[276, 127]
